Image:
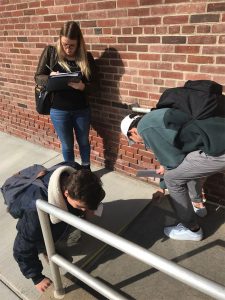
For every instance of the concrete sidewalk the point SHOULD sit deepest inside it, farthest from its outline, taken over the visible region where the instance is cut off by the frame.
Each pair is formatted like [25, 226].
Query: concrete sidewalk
[6, 293]
[125, 199]
[139, 281]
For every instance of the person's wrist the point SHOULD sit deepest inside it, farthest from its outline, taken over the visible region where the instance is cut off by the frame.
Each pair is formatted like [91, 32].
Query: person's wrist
[37, 279]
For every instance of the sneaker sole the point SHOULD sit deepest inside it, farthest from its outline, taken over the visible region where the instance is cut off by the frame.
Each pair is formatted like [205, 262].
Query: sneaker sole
[180, 238]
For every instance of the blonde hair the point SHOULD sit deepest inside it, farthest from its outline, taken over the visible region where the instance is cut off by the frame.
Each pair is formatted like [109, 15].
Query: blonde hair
[71, 30]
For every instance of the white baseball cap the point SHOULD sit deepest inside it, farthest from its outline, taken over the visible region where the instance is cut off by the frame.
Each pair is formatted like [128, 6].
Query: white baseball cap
[125, 125]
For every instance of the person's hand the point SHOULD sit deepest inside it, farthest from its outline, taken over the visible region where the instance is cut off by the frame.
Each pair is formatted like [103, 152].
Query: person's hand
[159, 194]
[54, 73]
[43, 285]
[160, 170]
[77, 85]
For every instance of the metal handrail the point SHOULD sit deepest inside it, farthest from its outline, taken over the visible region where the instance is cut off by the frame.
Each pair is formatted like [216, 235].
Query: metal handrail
[141, 110]
[168, 267]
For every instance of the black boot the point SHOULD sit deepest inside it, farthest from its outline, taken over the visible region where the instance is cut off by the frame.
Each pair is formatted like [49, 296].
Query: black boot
[86, 167]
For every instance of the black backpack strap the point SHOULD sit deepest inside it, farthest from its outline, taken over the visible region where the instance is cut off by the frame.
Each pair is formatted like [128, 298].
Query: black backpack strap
[52, 56]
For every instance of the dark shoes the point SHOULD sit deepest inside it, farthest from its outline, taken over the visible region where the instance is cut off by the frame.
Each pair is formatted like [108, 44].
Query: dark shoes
[86, 167]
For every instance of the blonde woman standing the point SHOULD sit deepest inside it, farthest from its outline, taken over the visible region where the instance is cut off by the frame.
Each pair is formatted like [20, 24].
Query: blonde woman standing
[70, 112]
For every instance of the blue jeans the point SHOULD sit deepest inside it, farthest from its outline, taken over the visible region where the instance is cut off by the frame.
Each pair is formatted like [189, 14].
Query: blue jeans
[66, 123]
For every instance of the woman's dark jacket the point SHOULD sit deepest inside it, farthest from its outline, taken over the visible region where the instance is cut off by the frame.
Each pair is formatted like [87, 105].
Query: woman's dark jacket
[29, 240]
[67, 99]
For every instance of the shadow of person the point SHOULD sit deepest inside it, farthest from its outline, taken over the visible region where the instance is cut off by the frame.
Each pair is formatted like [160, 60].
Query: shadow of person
[211, 190]
[101, 172]
[85, 245]
[120, 215]
[106, 107]
[147, 231]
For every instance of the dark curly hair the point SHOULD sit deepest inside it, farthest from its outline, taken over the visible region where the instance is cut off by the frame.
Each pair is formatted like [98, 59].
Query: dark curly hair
[134, 124]
[85, 186]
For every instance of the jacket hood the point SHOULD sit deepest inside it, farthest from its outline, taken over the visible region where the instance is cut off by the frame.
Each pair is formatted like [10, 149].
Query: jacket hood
[55, 195]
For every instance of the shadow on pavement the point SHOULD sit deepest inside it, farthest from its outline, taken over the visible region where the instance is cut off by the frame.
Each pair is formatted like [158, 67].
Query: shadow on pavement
[147, 230]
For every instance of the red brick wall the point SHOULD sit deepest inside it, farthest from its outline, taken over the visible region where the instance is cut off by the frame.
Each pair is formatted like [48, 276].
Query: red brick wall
[141, 47]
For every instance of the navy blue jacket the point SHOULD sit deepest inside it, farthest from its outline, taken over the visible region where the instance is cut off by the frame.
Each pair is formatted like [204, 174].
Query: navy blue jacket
[29, 240]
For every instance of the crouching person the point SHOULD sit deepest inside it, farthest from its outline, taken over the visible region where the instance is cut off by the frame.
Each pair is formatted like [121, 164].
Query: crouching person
[185, 154]
[76, 191]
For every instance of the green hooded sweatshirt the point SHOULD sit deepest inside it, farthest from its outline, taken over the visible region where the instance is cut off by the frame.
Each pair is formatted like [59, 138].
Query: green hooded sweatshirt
[171, 134]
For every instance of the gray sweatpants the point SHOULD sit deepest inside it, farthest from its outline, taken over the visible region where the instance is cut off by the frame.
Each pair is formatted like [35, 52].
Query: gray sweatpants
[196, 165]
[195, 190]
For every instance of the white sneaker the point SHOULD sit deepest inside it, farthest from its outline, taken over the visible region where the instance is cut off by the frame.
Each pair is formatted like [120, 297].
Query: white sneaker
[180, 232]
[201, 212]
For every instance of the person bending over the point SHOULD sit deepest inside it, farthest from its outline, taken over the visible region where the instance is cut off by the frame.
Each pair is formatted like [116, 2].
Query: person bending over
[76, 191]
[187, 149]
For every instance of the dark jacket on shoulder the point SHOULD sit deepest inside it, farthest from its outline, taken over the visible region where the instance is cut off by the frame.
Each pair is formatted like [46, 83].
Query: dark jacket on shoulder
[185, 120]
[50, 57]
[199, 99]
[29, 240]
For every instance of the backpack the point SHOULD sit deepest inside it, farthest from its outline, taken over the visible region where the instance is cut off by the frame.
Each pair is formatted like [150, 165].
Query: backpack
[198, 98]
[22, 189]
[44, 98]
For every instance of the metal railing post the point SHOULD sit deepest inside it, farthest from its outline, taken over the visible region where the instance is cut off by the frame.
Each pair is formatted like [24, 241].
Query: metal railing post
[50, 248]
[91, 281]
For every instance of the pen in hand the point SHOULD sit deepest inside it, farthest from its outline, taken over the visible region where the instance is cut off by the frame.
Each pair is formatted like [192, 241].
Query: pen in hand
[49, 68]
